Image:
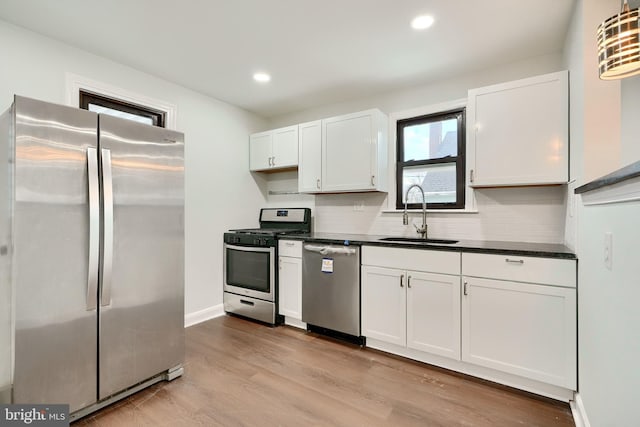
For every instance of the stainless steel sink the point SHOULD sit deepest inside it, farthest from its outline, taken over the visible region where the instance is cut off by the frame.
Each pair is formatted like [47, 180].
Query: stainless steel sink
[419, 240]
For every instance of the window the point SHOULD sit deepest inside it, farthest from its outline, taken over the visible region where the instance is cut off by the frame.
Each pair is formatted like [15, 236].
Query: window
[115, 107]
[430, 153]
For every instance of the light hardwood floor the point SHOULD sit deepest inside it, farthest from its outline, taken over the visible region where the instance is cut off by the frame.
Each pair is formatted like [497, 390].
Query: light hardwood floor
[241, 373]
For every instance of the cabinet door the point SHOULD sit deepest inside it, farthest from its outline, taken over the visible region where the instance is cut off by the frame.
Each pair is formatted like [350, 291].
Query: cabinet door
[260, 151]
[348, 152]
[285, 147]
[524, 122]
[290, 287]
[384, 304]
[523, 329]
[433, 313]
[310, 157]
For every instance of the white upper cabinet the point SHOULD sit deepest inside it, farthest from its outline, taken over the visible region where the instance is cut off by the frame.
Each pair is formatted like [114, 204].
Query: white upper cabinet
[260, 151]
[274, 149]
[518, 132]
[310, 157]
[354, 152]
[344, 153]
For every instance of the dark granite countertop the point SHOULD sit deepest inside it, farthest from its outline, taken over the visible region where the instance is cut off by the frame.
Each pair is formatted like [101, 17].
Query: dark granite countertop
[626, 173]
[546, 250]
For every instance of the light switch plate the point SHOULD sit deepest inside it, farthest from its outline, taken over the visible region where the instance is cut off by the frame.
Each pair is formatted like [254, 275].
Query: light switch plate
[608, 250]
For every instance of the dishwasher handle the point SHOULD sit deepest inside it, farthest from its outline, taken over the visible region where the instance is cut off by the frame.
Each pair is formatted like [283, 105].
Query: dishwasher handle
[330, 250]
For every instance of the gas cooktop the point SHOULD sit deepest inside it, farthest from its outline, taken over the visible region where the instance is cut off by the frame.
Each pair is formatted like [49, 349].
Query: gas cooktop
[277, 221]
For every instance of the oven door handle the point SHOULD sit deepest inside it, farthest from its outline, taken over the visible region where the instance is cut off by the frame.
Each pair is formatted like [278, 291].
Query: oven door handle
[249, 248]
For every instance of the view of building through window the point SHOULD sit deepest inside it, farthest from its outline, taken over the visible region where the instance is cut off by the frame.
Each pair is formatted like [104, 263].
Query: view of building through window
[431, 154]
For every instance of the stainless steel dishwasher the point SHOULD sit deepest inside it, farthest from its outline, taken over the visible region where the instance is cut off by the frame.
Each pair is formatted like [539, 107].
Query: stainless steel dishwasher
[331, 288]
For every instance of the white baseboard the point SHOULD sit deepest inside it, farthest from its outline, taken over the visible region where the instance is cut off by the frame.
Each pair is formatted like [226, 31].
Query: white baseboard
[208, 313]
[578, 412]
[515, 381]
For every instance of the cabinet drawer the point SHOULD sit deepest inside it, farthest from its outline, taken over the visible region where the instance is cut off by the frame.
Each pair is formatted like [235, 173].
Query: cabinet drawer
[549, 271]
[412, 259]
[292, 248]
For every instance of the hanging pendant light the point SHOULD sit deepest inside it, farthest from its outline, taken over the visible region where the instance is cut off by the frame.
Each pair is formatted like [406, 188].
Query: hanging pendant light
[619, 45]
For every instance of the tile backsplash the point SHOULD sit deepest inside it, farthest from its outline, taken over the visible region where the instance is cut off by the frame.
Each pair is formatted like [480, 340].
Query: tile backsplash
[526, 214]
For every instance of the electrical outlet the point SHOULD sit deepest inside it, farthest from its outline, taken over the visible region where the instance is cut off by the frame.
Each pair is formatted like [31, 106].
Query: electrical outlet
[608, 250]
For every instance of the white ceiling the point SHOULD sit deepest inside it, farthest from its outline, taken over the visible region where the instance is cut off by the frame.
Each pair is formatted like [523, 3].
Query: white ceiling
[317, 51]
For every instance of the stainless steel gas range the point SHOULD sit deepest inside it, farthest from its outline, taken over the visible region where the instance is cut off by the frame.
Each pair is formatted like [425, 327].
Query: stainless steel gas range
[250, 263]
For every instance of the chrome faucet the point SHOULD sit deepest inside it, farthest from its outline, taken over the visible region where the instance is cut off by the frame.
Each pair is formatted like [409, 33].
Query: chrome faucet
[405, 217]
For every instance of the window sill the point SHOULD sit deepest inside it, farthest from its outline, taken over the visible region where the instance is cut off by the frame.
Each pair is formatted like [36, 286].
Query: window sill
[433, 211]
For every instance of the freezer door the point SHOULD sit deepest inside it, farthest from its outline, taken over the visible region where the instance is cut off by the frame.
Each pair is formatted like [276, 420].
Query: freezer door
[141, 320]
[55, 288]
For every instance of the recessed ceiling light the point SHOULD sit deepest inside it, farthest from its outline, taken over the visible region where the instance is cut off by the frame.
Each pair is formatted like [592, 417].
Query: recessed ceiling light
[261, 77]
[422, 22]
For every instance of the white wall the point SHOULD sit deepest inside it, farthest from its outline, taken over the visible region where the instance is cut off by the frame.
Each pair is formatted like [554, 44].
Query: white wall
[573, 61]
[524, 214]
[630, 126]
[609, 341]
[220, 192]
[604, 129]
[447, 90]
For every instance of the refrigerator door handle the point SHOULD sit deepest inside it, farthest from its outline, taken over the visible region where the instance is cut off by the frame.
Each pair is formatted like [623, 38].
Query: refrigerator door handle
[107, 240]
[94, 228]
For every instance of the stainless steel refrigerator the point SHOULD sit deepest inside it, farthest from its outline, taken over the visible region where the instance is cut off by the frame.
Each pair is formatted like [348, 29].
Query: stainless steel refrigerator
[91, 256]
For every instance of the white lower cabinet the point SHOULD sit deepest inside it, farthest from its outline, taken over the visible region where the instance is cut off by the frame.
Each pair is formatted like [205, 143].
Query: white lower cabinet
[509, 319]
[433, 313]
[520, 328]
[384, 305]
[290, 281]
[521, 317]
[410, 308]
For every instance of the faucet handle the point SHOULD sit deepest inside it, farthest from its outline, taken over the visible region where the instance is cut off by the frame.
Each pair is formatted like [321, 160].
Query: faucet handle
[421, 230]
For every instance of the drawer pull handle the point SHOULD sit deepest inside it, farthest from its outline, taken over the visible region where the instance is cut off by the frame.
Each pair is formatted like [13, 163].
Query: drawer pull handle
[465, 288]
[402, 280]
[409, 282]
[318, 183]
[245, 302]
[289, 244]
[515, 261]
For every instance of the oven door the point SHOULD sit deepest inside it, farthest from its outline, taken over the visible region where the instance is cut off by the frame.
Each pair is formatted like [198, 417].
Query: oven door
[250, 271]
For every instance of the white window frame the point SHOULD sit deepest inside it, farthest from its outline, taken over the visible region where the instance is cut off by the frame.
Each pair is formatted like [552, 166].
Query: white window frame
[75, 83]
